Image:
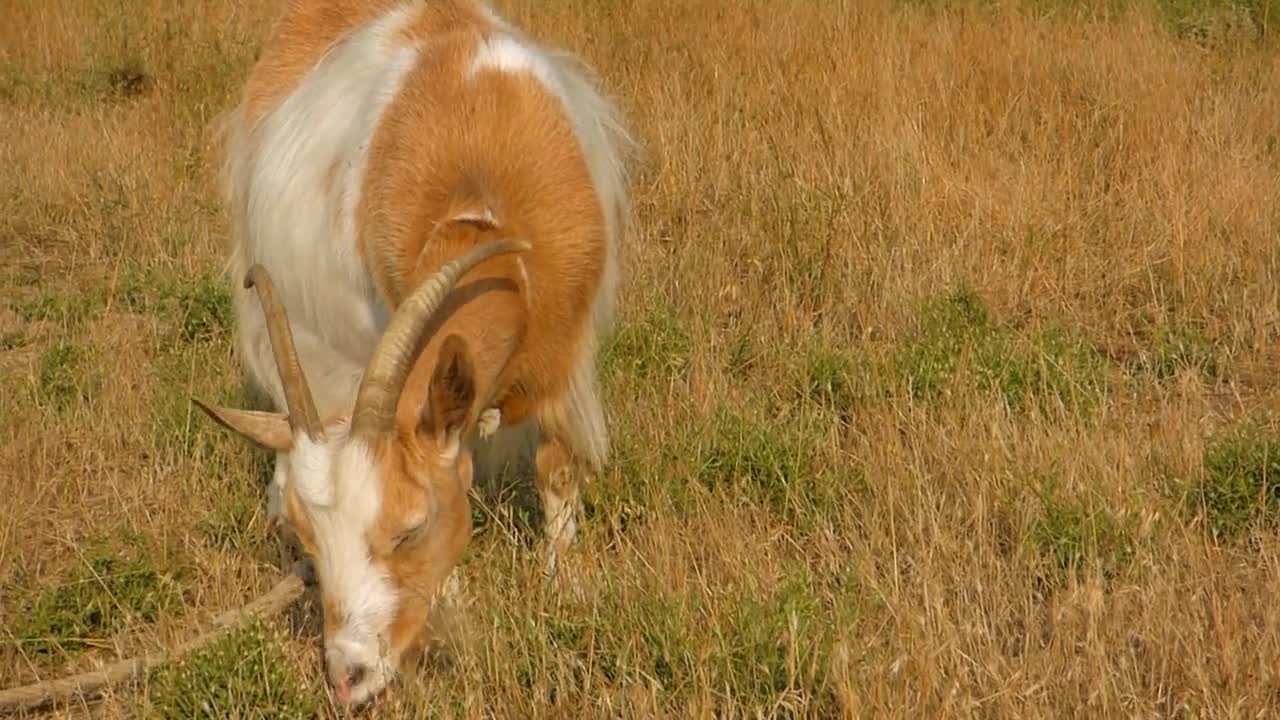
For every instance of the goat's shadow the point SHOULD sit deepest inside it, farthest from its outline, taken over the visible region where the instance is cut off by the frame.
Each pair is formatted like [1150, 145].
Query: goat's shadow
[504, 495]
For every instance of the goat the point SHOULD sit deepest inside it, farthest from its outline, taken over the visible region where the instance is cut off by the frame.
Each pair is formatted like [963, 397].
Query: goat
[426, 205]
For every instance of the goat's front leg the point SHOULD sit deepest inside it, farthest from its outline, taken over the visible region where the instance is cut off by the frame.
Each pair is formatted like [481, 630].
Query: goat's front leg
[559, 479]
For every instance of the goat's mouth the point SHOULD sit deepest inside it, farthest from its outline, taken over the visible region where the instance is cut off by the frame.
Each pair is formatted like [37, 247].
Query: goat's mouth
[356, 681]
[362, 686]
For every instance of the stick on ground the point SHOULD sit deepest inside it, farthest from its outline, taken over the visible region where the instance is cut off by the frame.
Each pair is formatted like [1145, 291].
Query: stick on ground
[30, 697]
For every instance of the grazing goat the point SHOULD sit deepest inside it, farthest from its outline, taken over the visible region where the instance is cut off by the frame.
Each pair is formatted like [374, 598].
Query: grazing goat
[425, 212]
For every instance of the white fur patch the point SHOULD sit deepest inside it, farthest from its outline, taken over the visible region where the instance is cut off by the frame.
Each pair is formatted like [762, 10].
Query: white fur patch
[276, 488]
[309, 469]
[524, 278]
[504, 53]
[489, 422]
[346, 565]
[295, 182]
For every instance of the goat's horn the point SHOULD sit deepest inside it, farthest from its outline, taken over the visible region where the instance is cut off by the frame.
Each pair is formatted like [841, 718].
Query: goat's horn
[388, 369]
[302, 408]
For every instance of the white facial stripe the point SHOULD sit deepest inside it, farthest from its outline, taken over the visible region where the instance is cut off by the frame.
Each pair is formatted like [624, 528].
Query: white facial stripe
[345, 567]
[339, 484]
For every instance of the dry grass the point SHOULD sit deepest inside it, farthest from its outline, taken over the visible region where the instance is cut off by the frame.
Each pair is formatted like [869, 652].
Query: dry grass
[945, 386]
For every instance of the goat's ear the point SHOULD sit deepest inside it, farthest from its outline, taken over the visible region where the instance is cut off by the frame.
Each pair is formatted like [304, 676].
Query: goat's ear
[266, 429]
[450, 397]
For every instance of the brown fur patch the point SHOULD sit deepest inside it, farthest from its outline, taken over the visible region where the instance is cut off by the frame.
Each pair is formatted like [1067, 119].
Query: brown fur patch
[416, 486]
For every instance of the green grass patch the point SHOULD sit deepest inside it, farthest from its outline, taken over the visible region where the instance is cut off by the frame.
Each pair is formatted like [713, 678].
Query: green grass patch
[195, 309]
[14, 81]
[833, 379]
[1180, 347]
[1065, 368]
[194, 358]
[112, 65]
[236, 519]
[958, 342]
[67, 306]
[119, 581]
[654, 346]
[630, 637]
[1073, 534]
[775, 647]
[1220, 22]
[624, 496]
[174, 423]
[191, 309]
[66, 376]
[737, 450]
[12, 340]
[767, 646]
[246, 673]
[1239, 488]
[951, 327]
[774, 461]
[116, 79]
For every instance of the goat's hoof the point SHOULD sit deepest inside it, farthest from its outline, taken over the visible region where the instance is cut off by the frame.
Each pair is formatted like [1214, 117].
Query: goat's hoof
[558, 545]
[562, 575]
[562, 528]
[490, 421]
[552, 567]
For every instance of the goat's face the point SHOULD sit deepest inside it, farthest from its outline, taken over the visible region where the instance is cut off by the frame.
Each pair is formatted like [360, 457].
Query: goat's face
[379, 506]
[383, 521]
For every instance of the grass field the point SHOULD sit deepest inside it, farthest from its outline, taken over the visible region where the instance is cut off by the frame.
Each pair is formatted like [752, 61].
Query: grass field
[947, 383]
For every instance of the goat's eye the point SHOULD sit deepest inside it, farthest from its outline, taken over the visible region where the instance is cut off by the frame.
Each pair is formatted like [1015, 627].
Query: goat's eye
[409, 536]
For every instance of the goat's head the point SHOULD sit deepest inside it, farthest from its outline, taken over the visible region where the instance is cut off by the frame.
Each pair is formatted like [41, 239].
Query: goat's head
[377, 499]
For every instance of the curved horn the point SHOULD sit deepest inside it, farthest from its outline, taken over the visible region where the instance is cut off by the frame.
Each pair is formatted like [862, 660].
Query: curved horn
[302, 408]
[388, 369]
